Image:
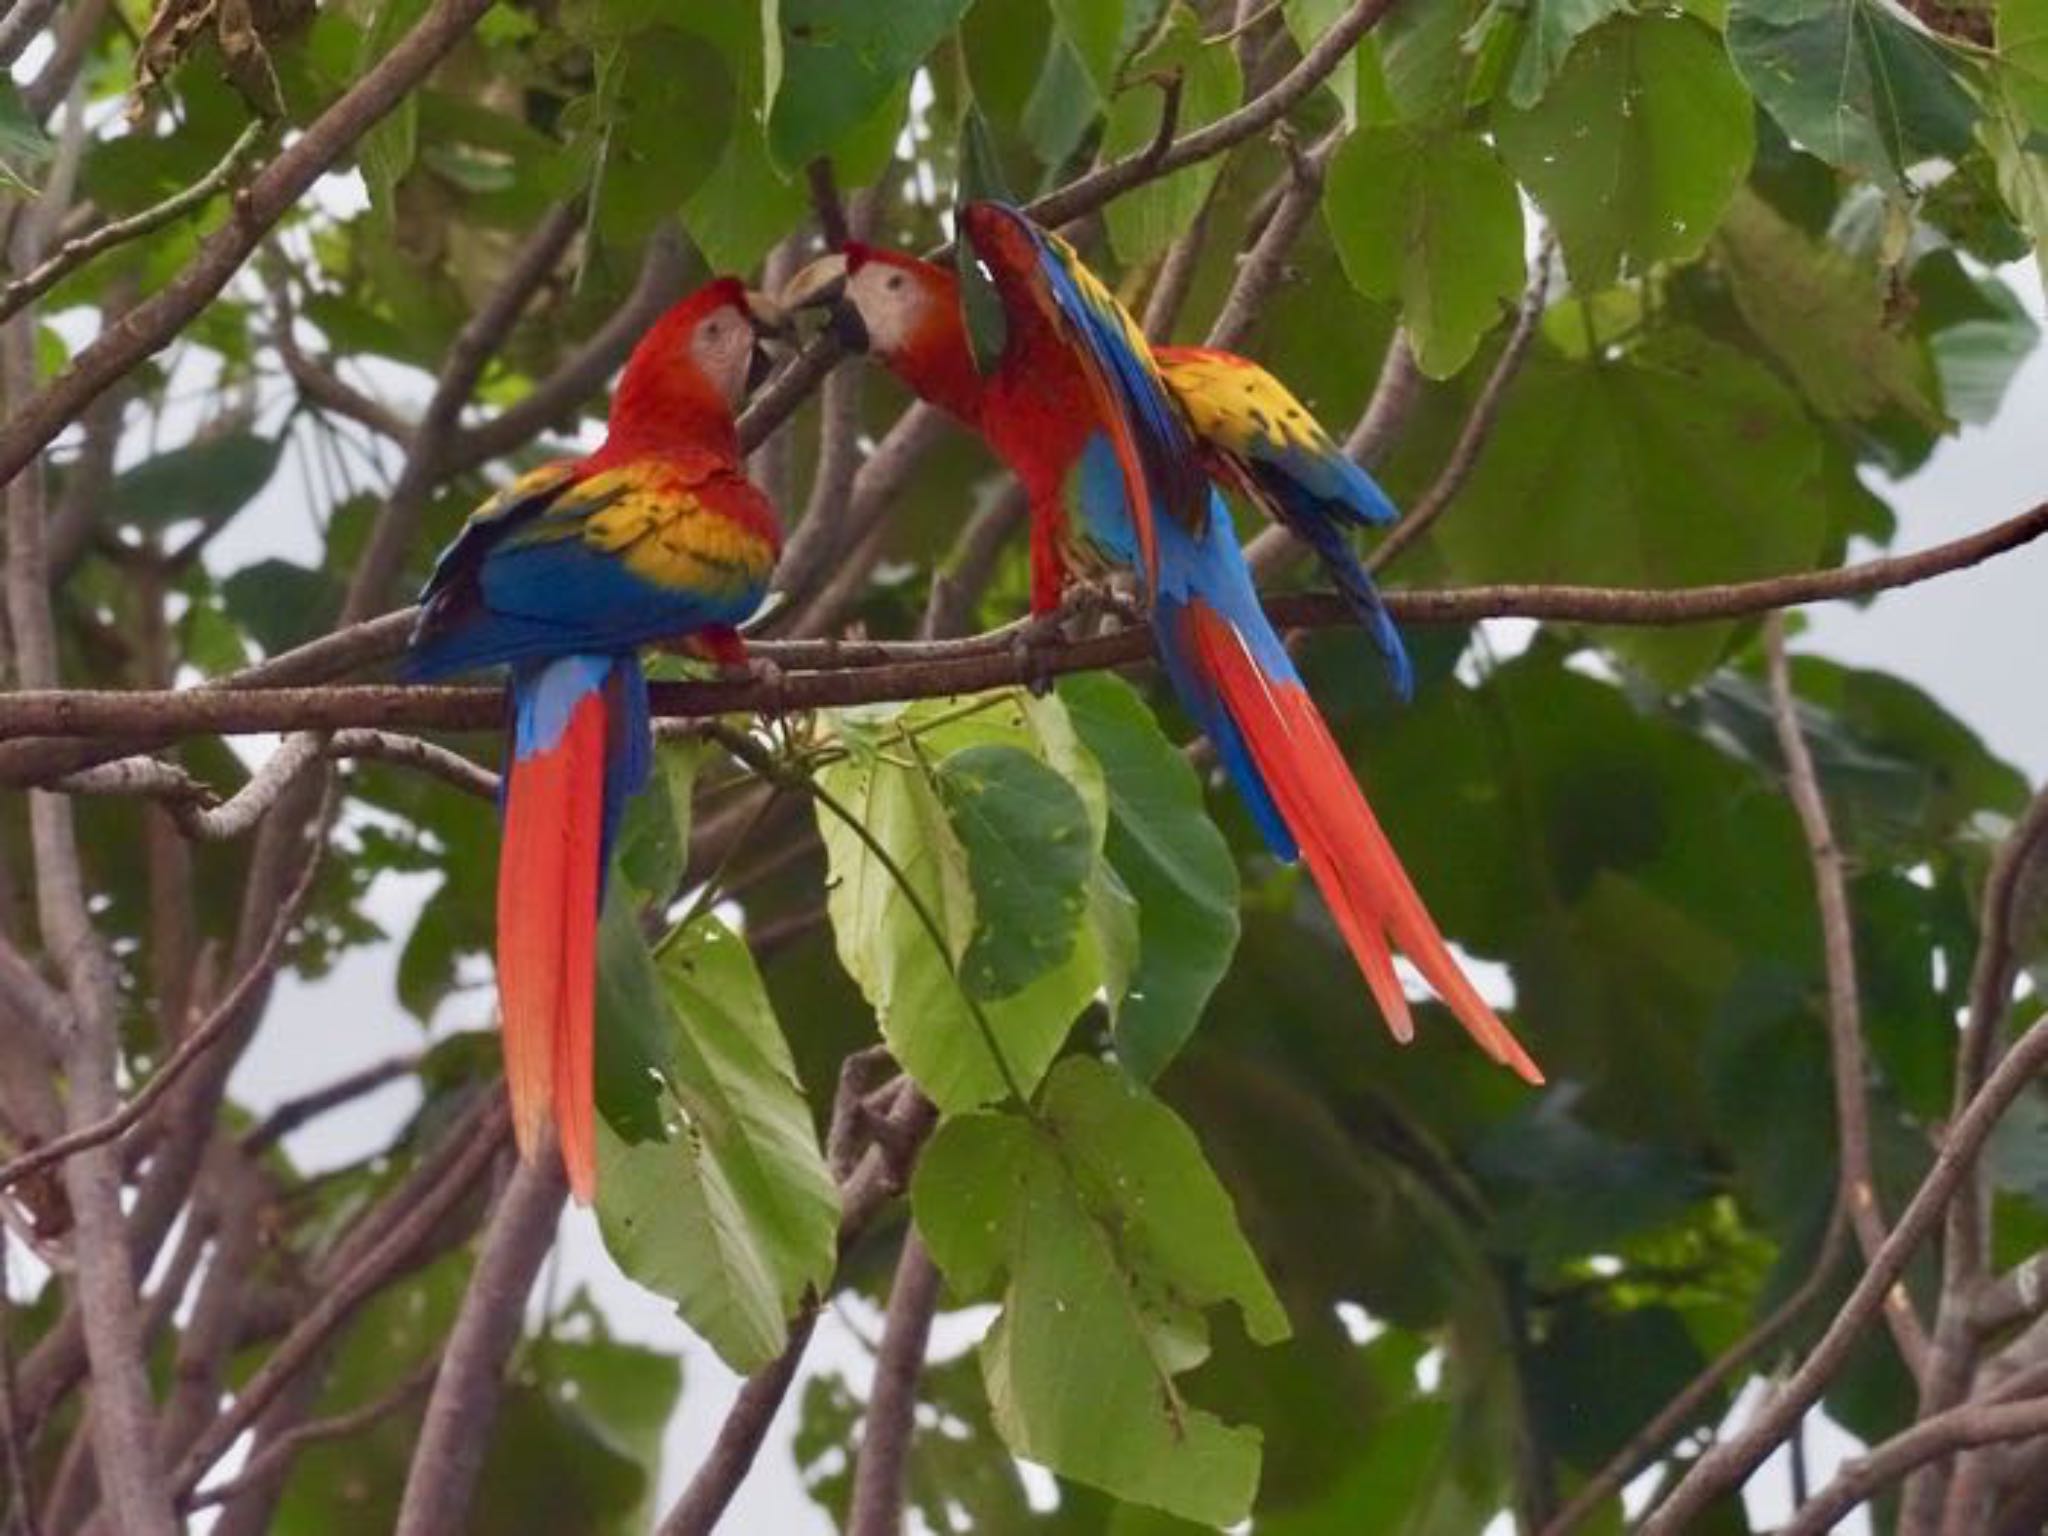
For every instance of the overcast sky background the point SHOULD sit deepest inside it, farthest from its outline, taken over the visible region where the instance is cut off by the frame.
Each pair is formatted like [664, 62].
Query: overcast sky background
[1975, 640]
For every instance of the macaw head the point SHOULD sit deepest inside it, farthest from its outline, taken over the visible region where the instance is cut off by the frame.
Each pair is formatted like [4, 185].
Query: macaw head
[904, 311]
[701, 358]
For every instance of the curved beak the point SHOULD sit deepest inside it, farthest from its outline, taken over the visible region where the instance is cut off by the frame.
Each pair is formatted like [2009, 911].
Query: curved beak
[774, 337]
[822, 285]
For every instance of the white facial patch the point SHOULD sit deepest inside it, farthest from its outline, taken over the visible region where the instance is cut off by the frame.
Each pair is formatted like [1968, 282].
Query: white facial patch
[721, 347]
[891, 303]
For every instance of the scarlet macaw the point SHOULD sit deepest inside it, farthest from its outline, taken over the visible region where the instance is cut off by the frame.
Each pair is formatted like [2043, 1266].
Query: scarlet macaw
[656, 537]
[1117, 451]
[1252, 434]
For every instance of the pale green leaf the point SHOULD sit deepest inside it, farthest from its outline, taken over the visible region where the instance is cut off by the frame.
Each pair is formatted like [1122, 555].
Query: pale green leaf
[1111, 1239]
[1550, 29]
[724, 1205]
[840, 63]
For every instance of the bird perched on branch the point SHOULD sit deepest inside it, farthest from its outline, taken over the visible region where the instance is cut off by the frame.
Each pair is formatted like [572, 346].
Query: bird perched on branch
[1117, 449]
[1252, 435]
[658, 537]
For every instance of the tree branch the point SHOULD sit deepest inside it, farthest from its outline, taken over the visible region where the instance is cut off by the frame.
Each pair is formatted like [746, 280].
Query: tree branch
[1479, 423]
[1845, 1005]
[1694, 1396]
[877, 1508]
[274, 191]
[1928, 1440]
[293, 1113]
[1738, 1455]
[76, 252]
[867, 672]
[457, 1432]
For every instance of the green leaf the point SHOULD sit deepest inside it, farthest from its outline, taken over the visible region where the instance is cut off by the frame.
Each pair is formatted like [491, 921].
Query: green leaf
[280, 604]
[1029, 851]
[1416, 65]
[744, 206]
[842, 62]
[724, 1205]
[207, 481]
[654, 833]
[1308, 20]
[1980, 334]
[663, 110]
[1100, 33]
[23, 144]
[1435, 222]
[1682, 462]
[1111, 1238]
[1146, 220]
[1550, 30]
[387, 151]
[1170, 858]
[1822, 315]
[914, 986]
[1856, 82]
[2012, 129]
[1637, 146]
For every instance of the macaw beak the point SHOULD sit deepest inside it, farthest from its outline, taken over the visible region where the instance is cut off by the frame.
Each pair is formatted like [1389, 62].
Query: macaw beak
[822, 285]
[774, 337]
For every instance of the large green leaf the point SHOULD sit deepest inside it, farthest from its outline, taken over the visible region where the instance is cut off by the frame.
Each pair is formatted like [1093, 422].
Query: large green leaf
[662, 111]
[208, 480]
[280, 604]
[915, 985]
[1111, 1240]
[840, 63]
[1682, 462]
[1029, 849]
[723, 1204]
[1433, 221]
[1636, 147]
[1100, 33]
[1170, 857]
[1145, 221]
[1856, 82]
[1550, 30]
[1822, 315]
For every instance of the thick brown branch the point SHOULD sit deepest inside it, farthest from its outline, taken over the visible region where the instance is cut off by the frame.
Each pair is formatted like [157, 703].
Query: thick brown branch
[457, 1431]
[923, 669]
[1928, 1440]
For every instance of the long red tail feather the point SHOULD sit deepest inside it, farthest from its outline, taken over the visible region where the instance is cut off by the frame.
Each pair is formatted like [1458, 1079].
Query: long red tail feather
[1376, 906]
[548, 876]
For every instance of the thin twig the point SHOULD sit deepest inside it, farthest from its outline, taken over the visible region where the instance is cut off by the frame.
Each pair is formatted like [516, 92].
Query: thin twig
[280, 1453]
[293, 1113]
[1739, 1454]
[1672, 1419]
[1845, 1000]
[195, 1045]
[34, 423]
[75, 253]
[1479, 422]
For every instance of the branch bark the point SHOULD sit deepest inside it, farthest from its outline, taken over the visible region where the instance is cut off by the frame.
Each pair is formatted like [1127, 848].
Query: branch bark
[1858, 1193]
[457, 1432]
[892, 1404]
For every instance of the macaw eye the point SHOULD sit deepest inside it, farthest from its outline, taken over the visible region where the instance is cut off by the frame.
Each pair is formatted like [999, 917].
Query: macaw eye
[895, 281]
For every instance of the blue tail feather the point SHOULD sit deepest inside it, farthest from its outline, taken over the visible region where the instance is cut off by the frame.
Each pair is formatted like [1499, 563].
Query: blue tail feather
[545, 695]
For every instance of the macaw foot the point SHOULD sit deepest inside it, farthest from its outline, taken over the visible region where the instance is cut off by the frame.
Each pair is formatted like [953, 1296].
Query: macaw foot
[770, 682]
